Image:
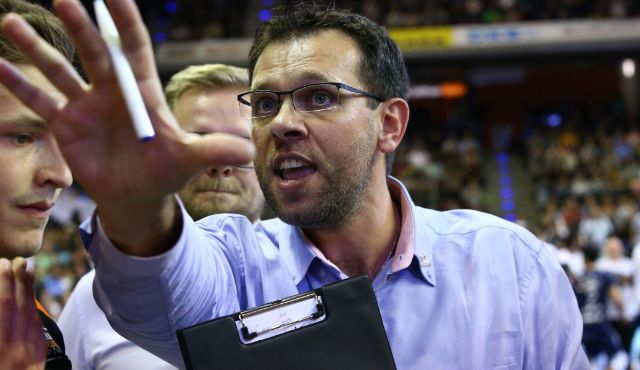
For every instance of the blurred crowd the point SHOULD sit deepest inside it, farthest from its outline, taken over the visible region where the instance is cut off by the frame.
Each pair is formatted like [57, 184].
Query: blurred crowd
[415, 13]
[171, 20]
[443, 170]
[585, 172]
[586, 181]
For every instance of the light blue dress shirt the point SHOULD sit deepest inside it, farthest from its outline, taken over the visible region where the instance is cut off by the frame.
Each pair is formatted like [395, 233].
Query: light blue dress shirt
[465, 290]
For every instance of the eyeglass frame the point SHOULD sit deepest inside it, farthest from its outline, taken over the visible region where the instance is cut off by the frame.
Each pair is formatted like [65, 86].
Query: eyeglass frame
[338, 85]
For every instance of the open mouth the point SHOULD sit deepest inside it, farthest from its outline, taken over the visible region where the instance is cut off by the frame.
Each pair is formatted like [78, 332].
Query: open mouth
[294, 169]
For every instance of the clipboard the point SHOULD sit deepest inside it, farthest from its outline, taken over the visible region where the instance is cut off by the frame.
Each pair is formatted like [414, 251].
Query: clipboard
[336, 327]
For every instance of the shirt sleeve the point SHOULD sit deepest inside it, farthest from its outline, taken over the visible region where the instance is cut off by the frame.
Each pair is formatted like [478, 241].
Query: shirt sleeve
[552, 319]
[147, 299]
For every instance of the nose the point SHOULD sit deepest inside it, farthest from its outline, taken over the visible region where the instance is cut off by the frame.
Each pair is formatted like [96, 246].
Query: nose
[220, 171]
[52, 168]
[287, 124]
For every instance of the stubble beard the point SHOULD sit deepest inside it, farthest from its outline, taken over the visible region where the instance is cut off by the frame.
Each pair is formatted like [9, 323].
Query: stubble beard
[341, 197]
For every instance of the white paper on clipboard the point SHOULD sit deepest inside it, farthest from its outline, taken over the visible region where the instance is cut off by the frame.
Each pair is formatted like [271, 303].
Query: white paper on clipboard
[280, 317]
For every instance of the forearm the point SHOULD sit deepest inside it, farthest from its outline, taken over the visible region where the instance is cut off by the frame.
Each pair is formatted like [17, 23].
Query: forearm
[147, 299]
[142, 228]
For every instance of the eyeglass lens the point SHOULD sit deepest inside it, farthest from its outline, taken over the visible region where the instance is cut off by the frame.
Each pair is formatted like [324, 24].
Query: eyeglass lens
[307, 99]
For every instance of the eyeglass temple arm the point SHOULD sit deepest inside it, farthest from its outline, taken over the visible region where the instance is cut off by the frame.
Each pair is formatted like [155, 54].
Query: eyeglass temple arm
[356, 90]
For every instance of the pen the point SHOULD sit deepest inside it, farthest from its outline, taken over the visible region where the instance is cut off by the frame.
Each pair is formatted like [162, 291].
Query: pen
[126, 79]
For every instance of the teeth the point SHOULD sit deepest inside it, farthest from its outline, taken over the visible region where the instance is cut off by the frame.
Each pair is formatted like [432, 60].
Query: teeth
[291, 163]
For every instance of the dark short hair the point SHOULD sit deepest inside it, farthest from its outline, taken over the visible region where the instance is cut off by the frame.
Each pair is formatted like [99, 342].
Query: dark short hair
[45, 23]
[382, 68]
[591, 252]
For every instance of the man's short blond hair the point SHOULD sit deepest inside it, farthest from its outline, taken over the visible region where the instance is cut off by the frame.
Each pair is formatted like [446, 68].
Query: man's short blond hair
[206, 76]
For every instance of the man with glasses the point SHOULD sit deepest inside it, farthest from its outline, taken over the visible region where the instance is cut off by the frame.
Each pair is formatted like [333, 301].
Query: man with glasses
[456, 290]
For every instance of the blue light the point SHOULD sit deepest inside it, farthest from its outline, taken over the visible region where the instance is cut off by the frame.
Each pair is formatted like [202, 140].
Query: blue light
[502, 158]
[510, 217]
[554, 120]
[505, 181]
[171, 7]
[267, 3]
[264, 15]
[508, 206]
[159, 37]
[506, 193]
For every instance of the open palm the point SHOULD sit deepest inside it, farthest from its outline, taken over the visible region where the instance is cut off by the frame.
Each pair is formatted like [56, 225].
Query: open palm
[93, 127]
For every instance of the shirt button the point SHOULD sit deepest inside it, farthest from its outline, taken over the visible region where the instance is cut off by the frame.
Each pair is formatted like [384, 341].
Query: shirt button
[424, 261]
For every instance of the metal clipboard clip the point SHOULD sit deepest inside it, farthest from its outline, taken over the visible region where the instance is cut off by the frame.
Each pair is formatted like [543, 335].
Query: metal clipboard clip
[280, 317]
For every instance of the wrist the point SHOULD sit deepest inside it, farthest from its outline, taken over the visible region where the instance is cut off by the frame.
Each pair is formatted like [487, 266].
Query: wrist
[143, 229]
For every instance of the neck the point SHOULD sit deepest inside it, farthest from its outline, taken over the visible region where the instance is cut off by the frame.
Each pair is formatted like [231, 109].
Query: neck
[364, 243]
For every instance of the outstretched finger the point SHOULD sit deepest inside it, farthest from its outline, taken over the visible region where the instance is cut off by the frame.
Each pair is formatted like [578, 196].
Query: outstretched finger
[135, 38]
[49, 61]
[34, 341]
[32, 96]
[91, 49]
[6, 300]
[220, 149]
[24, 300]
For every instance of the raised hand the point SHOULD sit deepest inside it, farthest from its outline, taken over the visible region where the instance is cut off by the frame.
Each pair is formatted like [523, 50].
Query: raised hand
[131, 182]
[21, 334]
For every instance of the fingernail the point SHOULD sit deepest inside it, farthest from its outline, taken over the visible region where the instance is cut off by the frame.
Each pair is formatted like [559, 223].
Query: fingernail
[19, 266]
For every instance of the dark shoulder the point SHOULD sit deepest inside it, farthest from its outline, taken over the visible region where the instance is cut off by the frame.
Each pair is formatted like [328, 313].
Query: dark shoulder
[56, 357]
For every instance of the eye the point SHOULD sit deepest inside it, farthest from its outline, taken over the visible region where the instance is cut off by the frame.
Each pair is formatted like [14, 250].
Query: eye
[321, 98]
[264, 105]
[315, 98]
[22, 138]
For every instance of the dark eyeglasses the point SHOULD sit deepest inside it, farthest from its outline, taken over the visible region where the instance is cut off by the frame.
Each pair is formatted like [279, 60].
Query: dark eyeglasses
[308, 98]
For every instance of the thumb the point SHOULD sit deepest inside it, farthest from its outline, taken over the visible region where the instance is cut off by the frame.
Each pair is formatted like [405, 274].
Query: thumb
[221, 149]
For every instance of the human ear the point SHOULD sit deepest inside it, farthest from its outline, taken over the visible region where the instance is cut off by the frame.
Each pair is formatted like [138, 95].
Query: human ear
[394, 116]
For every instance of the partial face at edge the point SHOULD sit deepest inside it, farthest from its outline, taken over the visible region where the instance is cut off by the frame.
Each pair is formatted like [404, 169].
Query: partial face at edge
[32, 172]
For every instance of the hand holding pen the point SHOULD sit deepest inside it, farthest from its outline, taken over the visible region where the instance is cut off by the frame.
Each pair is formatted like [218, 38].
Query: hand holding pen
[132, 183]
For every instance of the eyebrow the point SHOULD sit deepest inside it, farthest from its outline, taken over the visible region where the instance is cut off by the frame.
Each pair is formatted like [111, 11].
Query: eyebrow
[306, 78]
[25, 122]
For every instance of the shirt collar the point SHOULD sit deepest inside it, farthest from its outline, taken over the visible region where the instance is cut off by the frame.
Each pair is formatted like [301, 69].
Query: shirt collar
[413, 243]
